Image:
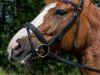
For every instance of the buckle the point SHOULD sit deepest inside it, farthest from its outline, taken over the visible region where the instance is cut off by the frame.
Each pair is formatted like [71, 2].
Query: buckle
[42, 50]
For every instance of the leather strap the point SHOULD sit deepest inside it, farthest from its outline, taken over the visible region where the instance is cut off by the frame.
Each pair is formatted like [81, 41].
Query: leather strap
[58, 58]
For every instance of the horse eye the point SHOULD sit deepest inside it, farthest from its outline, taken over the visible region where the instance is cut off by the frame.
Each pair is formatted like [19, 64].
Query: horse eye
[60, 12]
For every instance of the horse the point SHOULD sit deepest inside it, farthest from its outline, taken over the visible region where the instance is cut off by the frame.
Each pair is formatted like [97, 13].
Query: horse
[52, 19]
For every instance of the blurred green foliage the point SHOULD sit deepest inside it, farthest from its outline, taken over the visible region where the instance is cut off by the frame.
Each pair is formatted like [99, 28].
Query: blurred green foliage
[13, 15]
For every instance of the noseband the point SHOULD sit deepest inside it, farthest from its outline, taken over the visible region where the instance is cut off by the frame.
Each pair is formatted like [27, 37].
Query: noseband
[42, 50]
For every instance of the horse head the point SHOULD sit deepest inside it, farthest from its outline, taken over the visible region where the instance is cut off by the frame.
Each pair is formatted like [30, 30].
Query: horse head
[52, 19]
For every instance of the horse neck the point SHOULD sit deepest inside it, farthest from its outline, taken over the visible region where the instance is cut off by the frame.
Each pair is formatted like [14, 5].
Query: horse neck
[91, 14]
[89, 30]
[91, 54]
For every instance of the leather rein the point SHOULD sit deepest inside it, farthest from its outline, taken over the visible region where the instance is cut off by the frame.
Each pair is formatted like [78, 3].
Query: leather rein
[44, 46]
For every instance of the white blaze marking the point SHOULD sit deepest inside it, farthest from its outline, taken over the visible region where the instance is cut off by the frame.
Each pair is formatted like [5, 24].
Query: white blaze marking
[36, 22]
[39, 19]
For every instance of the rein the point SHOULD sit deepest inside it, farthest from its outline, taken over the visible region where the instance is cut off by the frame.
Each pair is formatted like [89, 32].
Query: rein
[44, 46]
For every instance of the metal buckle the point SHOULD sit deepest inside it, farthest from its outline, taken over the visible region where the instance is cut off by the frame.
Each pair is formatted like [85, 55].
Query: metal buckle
[42, 50]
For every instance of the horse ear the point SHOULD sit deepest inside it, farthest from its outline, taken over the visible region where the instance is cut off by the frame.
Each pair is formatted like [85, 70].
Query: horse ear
[50, 1]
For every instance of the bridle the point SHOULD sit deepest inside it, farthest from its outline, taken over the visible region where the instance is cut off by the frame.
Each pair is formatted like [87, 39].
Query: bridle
[44, 46]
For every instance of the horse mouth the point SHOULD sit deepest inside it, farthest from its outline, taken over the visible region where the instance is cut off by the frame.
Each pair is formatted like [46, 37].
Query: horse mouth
[19, 55]
[21, 59]
[26, 59]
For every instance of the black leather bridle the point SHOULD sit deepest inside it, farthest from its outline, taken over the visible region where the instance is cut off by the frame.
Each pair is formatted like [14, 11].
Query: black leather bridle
[44, 46]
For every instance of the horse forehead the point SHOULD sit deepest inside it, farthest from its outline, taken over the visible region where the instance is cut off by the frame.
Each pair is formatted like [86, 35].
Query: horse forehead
[36, 22]
[39, 19]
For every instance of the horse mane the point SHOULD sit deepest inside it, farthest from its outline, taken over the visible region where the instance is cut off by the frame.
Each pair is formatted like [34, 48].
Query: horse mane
[50, 1]
[93, 1]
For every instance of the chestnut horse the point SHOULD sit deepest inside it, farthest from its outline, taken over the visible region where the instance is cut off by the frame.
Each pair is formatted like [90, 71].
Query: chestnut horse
[50, 21]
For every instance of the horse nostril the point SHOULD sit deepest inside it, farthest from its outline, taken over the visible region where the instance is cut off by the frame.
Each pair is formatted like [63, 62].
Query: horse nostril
[15, 46]
[18, 47]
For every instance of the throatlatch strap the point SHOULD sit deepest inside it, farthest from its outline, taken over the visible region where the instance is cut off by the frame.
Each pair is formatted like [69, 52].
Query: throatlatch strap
[76, 30]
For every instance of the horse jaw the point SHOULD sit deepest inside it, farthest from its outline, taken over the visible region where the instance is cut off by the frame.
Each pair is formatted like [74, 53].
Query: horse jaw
[23, 33]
